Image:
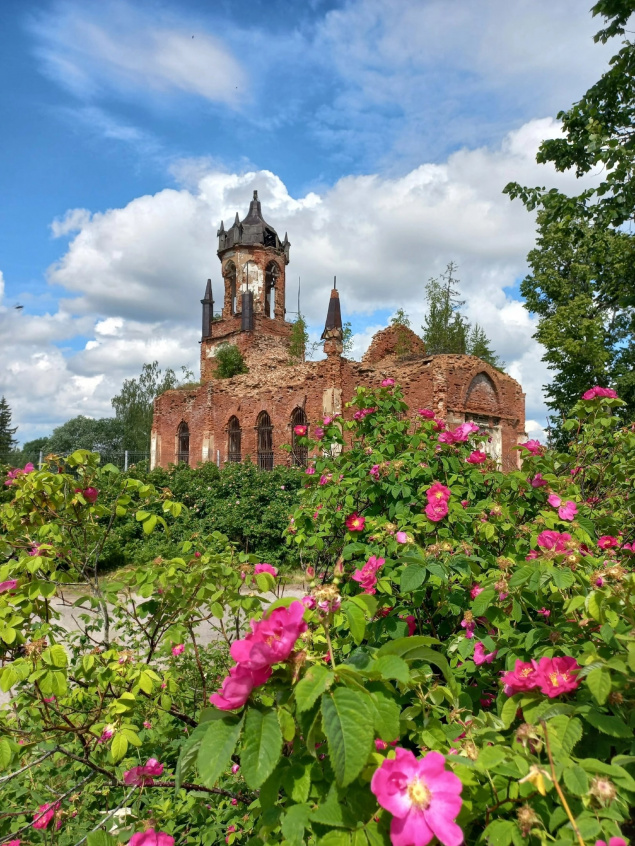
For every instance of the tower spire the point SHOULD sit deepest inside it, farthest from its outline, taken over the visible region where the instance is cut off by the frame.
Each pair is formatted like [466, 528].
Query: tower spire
[208, 310]
[333, 335]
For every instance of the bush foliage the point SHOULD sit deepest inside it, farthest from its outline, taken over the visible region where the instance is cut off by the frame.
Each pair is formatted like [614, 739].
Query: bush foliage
[460, 670]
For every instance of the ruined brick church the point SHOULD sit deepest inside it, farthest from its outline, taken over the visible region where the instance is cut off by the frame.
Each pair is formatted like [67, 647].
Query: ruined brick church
[251, 416]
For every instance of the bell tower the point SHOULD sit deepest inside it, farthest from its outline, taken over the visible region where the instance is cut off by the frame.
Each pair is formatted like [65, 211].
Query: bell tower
[253, 268]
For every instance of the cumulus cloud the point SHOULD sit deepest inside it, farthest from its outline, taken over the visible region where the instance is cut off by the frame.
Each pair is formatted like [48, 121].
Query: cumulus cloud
[110, 46]
[134, 275]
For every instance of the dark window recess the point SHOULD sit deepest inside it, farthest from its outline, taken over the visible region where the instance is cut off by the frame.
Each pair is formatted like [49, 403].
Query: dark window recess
[264, 431]
[299, 453]
[233, 440]
[271, 277]
[230, 276]
[270, 238]
[183, 451]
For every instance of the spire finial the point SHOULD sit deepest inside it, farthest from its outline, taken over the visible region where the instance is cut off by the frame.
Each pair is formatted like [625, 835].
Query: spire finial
[255, 195]
[335, 283]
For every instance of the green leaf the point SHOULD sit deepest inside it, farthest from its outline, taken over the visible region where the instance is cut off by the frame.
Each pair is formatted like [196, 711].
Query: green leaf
[613, 726]
[508, 711]
[333, 813]
[149, 524]
[563, 579]
[500, 832]
[145, 683]
[265, 582]
[307, 691]
[118, 747]
[189, 752]
[347, 720]
[490, 757]
[58, 655]
[391, 667]
[521, 576]
[296, 780]
[356, 621]
[406, 647]
[287, 724]
[599, 682]
[100, 838]
[217, 747]
[386, 716]
[5, 753]
[564, 733]
[411, 578]
[483, 602]
[293, 824]
[262, 746]
[576, 780]
[336, 837]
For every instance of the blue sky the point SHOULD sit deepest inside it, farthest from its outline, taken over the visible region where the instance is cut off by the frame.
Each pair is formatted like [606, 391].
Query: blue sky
[379, 132]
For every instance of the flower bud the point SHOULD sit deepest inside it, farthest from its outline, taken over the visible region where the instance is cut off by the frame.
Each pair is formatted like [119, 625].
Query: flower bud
[310, 572]
[603, 790]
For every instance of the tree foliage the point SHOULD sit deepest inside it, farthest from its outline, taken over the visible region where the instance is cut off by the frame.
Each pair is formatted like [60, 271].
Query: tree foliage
[298, 341]
[7, 431]
[104, 436]
[229, 362]
[134, 403]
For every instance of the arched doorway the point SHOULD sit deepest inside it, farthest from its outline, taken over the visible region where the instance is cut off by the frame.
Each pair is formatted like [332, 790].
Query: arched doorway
[299, 453]
[230, 285]
[264, 433]
[183, 444]
[233, 440]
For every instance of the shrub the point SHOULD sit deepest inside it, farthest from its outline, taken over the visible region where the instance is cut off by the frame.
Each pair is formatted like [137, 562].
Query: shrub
[229, 362]
[461, 668]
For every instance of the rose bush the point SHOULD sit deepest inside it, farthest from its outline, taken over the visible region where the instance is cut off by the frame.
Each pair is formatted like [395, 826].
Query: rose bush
[460, 668]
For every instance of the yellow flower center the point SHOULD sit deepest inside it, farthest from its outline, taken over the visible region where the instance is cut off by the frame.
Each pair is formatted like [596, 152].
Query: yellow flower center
[527, 671]
[554, 679]
[419, 794]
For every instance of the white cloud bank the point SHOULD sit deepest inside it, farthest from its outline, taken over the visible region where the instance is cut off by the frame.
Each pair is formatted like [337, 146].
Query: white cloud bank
[135, 275]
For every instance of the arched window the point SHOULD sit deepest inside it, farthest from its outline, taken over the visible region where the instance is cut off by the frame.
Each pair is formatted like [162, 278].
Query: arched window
[299, 453]
[271, 277]
[183, 440]
[233, 440]
[264, 431]
[230, 285]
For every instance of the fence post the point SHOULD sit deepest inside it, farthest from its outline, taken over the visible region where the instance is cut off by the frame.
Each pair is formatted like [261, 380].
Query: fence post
[39, 464]
[218, 458]
[125, 460]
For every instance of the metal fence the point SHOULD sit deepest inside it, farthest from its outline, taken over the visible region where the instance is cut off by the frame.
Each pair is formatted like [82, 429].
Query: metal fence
[123, 460]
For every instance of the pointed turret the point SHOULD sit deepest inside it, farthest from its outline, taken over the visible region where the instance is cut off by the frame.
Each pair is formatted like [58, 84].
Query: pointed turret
[208, 310]
[251, 232]
[333, 335]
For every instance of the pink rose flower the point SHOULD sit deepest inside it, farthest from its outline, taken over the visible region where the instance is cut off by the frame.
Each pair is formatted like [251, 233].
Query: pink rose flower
[325, 478]
[90, 495]
[374, 472]
[568, 510]
[464, 503]
[381, 745]
[462, 432]
[45, 813]
[482, 657]
[355, 523]
[265, 568]
[614, 841]
[599, 582]
[318, 432]
[301, 430]
[327, 420]
[521, 679]
[401, 537]
[271, 640]
[423, 797]
[475, 590]
[139, 776]
[412, 624]
[554, 540]
[476, 457]
[538, 481]
[179, 649]
[235, 768]
[554, 500]
[10, 584]
[555, 676]
[608, 542]
[446, 438]
[107, 732]
[309, 602]
[436, 511]
[544, 612]
[18, 471]
[150, 837]
[388, 383]
[12, 843]
[367, 576]
[599, 393]
[197, 555]
[426, 413]
[469, 626]
[438, 493]
[153, 767]
[237, 686]
[534, 447]
[310, 471]
[147, 724]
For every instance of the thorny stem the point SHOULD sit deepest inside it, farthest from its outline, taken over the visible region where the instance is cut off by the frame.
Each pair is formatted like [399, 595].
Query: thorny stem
[561, 795]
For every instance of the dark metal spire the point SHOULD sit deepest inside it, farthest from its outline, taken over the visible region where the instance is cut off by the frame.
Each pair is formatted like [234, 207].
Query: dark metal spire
[333, 317]
[208, 310]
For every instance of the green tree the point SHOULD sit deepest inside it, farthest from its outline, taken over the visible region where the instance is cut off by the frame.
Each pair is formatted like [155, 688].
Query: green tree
[134, 403]
[104, 436]
[31, 450]
[347, 338]
[400, 318]
[299, 341]
[229, 362]
[479, 344]
[579, 272]
[598, 137]
[445, 329]
[7, 441]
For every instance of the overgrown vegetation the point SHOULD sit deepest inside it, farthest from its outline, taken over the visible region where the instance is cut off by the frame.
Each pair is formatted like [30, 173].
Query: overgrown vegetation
[229, 362]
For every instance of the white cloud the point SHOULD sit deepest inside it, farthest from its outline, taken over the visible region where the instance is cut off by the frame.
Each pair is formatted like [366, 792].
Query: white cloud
[115, 46]
[135, 275]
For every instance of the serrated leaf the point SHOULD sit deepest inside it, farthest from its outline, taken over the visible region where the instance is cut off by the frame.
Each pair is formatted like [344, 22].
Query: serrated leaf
[521, 576]
[563, 579]
[287, 724]
[508, 711]
[500, 832]
[564, 733]
[296, 780]
[294, 821]
[145, 683]
[483, 602]
[386, 712]
[265, 582]
[356, 621]
[613, 726]
[490, 757]
[100, 838]
[58, 655]
[262, 746]
[118, 747]
[217, 746]
[576, 780]
[316, 680]
[189, 753]
[599, 682]
[347, 720]
[391, 667]
[411, 578]
[5, 753]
